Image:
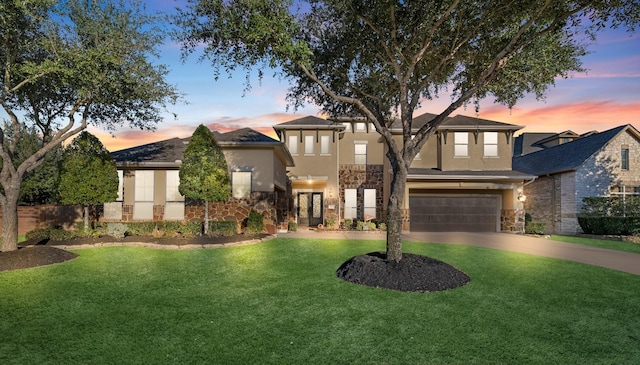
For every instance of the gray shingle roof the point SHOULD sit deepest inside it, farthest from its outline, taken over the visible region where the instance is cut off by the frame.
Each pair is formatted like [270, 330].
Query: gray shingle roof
[567, 156]
[308, 121]
[528, 142]
[172, 150]
[458, 122]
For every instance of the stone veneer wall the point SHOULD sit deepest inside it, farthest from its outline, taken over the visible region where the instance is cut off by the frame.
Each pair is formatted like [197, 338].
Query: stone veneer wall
[362, 177]
[512, 220]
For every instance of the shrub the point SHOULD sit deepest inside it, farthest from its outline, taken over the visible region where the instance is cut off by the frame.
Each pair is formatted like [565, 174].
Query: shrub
[624, 226]
[116, 230]
[141, 228]
[382, 226]
[52, 233]
[38, 233]
[255, 223]
[223, 228]
[292, 226]
[535, 228]
[348, 223]
[330, 221]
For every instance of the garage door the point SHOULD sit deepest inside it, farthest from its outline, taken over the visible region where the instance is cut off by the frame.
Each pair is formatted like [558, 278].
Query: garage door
[453, 214]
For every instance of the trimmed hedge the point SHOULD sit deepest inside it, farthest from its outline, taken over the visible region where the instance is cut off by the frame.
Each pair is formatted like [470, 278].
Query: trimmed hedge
[223, 228]
[610, 215]
[624, 226]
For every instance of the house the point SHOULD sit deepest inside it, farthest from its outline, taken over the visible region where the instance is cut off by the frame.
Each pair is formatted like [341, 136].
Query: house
[462, 179]
[571, 167]
[149, 180]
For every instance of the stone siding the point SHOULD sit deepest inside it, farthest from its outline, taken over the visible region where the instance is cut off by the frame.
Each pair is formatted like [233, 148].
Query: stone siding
[512, 220]
[362, 177]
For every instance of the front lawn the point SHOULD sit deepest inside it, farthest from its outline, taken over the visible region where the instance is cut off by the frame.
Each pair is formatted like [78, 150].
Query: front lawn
[280, 302]
[594, 242]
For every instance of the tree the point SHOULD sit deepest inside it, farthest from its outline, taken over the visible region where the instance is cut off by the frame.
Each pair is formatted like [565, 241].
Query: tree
[381, 59]
[204, 174]
[88, 175]
[39, 186]
[65, 65]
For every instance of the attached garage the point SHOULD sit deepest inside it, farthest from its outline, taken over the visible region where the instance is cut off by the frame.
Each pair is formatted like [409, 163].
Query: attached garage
[454, 213]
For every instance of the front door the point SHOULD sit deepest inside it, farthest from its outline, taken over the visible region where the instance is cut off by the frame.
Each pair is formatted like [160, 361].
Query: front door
[309, 209]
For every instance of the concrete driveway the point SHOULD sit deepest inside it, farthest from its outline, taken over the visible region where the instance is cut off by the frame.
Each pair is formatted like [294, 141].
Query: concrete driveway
[616, 260]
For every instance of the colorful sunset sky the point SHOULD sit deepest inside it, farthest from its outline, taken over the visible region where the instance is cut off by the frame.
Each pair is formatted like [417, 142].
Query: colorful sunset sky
[607, 95]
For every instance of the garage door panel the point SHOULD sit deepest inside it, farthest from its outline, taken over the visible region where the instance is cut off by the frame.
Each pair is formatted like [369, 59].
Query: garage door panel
[451, 213]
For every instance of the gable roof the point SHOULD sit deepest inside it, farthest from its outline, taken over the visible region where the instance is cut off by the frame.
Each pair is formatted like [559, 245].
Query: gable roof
[169, 152]
[567, 156]
[529, 142]
[457, 122]
[309, 122]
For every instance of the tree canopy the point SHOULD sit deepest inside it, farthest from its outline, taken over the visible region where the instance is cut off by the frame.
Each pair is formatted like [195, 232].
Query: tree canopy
[204, 174]
[381, 59]
[88, 175]
[67, 64]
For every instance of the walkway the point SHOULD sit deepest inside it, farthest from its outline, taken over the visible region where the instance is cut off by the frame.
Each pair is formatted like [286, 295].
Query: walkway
[612, 259]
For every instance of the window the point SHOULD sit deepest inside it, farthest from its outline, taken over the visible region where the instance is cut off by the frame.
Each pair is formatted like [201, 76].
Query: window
[173, 182]
[174, 205]
[120, 185]
[360, 157]
[308, 145]
[347, 126]
[461, 144]
[350, 203]
[369, 204]
[490, 144]
[241, 184]
[143, 195]
[324, 145]
[372, 127]
[360, 126]
[625, 159]
[293, 145]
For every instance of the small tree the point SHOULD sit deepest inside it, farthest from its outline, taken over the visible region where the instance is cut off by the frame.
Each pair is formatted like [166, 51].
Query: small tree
[88, 174]
[204, 174]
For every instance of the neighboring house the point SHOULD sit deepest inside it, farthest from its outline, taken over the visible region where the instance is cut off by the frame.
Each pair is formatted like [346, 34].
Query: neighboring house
[149, 179]
[571, 167]
[461, 180]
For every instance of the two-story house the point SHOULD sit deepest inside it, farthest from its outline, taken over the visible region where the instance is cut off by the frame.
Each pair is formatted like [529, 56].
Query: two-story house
[461, 180]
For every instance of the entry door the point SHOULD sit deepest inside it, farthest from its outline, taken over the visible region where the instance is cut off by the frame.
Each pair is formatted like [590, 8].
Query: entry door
[309, 209]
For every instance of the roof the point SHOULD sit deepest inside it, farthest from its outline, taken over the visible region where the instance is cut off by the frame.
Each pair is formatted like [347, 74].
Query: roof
[529, 142]
[435, 174]
[458, 122]
[169, 152]
[567, 156]
[310, 122]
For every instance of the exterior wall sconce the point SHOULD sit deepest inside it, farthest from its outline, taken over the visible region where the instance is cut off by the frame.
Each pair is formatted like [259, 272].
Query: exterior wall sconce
[522, 198]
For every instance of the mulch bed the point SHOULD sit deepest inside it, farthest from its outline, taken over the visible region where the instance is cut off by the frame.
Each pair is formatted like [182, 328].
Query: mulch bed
[414, 273]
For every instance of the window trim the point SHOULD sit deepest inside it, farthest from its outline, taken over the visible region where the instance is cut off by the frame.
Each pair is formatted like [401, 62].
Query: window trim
[355, 154]
[235, 187]
[624, 159]
[325, 146]
[457, 141]
[309, 145]
[493, 143]
[293, 145]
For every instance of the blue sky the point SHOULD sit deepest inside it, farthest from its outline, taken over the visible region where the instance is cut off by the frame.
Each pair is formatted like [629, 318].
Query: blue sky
[606, 96]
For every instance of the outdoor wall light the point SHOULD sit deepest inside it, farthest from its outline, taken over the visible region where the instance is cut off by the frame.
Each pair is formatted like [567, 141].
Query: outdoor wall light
[522, 198]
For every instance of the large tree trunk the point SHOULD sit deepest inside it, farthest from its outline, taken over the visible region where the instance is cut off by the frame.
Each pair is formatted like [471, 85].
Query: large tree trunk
[206, 217]
[10, 218]
[394, 214]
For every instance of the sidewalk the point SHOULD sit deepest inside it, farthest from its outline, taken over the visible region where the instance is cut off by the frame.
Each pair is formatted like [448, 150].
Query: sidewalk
[612, 259]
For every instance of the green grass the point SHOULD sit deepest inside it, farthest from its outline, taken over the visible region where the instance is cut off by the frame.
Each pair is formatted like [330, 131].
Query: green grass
[609, 244]
[280, 303]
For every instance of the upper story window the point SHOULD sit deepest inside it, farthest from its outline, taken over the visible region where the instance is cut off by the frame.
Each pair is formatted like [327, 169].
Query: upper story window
[293, 145]
[461, 144]
[347, 126]
[360, 157]
[241, 184]
[372, 127]
[360, 127]
[490, 144]
[624, 156]
[324, 145]
[308, 145]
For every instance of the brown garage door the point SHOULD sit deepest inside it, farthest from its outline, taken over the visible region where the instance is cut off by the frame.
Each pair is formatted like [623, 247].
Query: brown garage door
[453, 213]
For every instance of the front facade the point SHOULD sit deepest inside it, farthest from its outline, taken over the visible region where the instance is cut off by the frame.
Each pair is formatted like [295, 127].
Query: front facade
[461, 180]
[149, 180]
[590, 165]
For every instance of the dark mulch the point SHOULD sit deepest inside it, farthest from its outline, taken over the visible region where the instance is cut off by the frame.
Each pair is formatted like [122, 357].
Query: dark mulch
[414, 273]
[34, 253]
